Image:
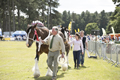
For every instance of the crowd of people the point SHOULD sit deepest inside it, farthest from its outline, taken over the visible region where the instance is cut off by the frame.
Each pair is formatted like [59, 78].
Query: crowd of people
[20, 38]
[102, 39]
[15, 38]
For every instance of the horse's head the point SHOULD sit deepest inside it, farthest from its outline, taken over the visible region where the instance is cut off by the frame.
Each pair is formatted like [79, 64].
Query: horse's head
[30, 35]
[65, 31]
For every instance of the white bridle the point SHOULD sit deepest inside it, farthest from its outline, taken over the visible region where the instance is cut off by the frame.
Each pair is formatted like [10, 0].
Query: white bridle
[39, 42]
[30, 38]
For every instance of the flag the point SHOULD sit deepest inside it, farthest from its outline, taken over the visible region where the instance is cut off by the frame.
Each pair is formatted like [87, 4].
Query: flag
[78, 30]
[75, 31]
[104, 32]
[69, 26]
[113, 32]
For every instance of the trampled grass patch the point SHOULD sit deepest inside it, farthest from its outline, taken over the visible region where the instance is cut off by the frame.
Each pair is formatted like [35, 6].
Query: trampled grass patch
[16, 62]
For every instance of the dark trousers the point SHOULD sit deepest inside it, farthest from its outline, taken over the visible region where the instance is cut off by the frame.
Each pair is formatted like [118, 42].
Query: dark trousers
[82, 57]
[76, 56]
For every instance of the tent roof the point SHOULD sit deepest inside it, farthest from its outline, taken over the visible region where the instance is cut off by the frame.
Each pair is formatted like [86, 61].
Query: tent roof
[19, 33]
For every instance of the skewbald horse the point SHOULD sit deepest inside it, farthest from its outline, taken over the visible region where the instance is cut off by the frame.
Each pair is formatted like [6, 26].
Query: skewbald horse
[34, 33]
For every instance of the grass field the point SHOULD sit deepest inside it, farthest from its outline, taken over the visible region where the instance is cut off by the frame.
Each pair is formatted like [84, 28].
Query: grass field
[16, 62]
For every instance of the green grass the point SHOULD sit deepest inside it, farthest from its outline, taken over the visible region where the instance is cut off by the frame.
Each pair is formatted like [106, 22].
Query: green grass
[16, 62]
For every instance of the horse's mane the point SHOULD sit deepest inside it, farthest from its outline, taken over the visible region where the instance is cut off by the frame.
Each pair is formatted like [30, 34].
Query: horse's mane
[42, 27]
[28, 29]
[37, 28]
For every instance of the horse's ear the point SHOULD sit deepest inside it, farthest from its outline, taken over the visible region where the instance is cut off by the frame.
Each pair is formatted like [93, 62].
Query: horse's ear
[65, 28]
[35, 25]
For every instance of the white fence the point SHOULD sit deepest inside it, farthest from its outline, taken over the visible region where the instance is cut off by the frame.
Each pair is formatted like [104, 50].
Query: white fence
[110, 52]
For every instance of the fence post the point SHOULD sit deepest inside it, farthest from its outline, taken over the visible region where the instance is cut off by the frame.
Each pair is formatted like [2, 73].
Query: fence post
[117, 55]
[104, 51]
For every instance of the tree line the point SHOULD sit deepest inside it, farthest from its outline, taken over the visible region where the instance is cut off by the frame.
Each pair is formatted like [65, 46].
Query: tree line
[34, 9]
[86, 21]
[45, 11]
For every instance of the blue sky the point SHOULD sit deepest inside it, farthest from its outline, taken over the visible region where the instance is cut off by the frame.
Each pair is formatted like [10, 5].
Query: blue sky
[78, 6]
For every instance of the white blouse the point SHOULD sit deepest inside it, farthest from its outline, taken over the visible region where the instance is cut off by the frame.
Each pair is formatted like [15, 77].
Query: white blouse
[78, 45]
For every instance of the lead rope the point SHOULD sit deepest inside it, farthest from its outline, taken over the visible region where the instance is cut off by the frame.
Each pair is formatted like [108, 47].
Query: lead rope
[40, 43]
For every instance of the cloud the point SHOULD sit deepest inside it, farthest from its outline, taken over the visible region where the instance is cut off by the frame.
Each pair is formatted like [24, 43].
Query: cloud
[78, 6]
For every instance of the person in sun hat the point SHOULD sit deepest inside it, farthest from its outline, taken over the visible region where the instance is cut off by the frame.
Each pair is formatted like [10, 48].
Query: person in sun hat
[77, 49]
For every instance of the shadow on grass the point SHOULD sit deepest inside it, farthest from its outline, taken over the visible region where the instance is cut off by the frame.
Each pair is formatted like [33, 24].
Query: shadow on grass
[84, 67]
[69, 67]
[49, 77]
[60, 67]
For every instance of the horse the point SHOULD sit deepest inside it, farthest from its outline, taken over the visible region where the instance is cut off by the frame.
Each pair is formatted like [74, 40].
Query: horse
[66, 33]
[34, 34]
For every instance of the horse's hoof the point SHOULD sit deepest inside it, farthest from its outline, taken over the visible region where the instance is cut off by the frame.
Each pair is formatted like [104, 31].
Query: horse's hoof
[48, 75]
[68, 64]
[36, 75]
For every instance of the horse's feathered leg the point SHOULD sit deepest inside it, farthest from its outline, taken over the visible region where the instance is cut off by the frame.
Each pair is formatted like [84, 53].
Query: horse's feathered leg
[67, 52]
[67, 58]
[49, 72]
[36, 69]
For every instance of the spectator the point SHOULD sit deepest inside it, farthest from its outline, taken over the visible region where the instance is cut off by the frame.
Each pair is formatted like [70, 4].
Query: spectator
[71, 39]
[84, 40]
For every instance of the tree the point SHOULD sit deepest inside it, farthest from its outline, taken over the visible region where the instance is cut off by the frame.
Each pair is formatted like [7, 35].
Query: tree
[65, 18]
[103, 21]
[90, 27]
[116, 1]
[38, 10]
[52, 5]
[114, 19]
[57, 18]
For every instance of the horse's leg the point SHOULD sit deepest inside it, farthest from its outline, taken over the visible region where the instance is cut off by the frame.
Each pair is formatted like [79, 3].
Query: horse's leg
[36, 68]
[37, 56]
[49, 72]
[67, 52]
[36, 60]
[67, 58]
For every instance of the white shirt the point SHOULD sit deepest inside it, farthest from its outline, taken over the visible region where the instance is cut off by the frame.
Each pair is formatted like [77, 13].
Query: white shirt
[78, 45]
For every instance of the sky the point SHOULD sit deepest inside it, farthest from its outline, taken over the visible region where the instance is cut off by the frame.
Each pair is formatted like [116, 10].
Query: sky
[78, 6]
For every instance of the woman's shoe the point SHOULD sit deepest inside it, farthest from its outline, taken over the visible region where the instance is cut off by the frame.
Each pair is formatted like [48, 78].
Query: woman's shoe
[78, 67]
[74, 66]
